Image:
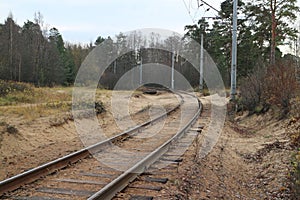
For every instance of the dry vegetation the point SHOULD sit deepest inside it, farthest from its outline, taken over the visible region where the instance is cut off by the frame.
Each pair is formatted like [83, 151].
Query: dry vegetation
[293, 127]
[24, 106]
[44, 125]
[275, 90]
[28, 102]
[16, 93]
[271, 87]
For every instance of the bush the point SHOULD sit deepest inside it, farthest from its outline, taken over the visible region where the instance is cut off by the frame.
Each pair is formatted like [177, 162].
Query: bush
[281, 86]
[8, 87]
[275, 86]
[251, 91]
[8, 128]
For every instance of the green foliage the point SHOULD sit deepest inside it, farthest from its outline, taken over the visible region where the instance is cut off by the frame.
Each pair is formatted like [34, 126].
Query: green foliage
[66, 61]
[218, 40]
[99, 40]
[31, 53]
[272, 23]
[254, 38]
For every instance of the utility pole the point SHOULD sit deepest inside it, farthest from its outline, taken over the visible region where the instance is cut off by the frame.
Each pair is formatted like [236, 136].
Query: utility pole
[11, 46]
[172, 78]
[202, 54]
[234, 51]
[141, 71]
[201, 65]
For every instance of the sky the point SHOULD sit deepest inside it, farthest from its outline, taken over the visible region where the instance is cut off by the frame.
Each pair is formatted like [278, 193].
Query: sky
[82, 21]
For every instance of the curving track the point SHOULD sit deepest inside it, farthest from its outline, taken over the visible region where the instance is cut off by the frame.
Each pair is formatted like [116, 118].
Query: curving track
[123, 158]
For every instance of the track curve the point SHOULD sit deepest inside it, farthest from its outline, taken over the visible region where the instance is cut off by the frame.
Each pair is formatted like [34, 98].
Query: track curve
[116, 169]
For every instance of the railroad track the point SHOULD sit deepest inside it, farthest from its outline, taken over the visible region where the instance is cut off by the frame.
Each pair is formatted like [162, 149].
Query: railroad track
[119, 160]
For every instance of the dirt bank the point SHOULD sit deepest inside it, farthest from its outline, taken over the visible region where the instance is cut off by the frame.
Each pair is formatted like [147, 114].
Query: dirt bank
[250, 161]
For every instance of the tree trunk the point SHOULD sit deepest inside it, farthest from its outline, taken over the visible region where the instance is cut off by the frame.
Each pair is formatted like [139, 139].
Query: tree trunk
[20, 65]
[11, 49]
[273, 38]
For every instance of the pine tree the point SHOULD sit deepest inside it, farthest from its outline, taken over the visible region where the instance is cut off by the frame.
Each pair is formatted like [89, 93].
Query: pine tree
[271, 22]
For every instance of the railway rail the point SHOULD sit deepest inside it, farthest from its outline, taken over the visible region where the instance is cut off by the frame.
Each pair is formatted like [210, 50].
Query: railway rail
[120, 160]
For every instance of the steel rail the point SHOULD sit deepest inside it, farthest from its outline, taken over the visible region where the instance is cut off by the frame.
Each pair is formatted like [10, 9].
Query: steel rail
[121, 182]
[34, 174]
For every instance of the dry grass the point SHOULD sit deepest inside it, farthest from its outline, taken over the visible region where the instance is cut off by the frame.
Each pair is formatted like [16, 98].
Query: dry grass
[36, 96]
[32, 112]
[41, 102]
[50, 95]
[36, 103]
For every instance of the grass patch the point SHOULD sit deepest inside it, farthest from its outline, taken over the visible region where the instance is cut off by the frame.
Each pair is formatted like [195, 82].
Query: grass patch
[32, 112]
[26, 101]
[49, 95]
[205, 91]
[7, 87]
[14, 92]
[15, 98]
[27, 94]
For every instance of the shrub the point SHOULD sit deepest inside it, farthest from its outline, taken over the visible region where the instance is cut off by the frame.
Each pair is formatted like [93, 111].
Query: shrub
[275, 86]
[8, 128]
[280, 86]
[7, 87]
[251, 91]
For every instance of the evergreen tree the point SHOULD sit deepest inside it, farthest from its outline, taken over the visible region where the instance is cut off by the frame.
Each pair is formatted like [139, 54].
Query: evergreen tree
[66, 63]
[272, 23]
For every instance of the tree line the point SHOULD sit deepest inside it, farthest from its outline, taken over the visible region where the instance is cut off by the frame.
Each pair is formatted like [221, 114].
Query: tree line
[262, 27]
[35, 54]
[32, 53]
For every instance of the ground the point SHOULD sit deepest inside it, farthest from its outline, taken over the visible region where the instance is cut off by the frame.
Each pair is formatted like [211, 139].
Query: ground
[26, 141]
[251, 159]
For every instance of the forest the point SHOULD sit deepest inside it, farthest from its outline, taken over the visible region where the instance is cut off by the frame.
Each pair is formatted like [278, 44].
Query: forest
[36, 54]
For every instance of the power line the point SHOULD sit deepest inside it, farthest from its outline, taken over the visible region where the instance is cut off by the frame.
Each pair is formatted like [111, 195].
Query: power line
[189, 11]
[189, 7]
[203, 2]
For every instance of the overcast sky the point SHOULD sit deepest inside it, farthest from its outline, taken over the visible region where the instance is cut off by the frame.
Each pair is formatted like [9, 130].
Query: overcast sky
[84, 20]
